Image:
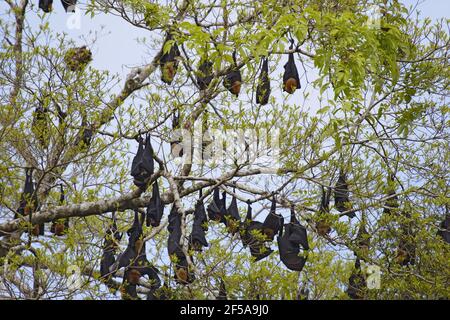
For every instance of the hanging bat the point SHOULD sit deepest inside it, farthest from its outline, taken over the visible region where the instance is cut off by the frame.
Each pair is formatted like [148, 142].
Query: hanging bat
[155, 209]
[405, 253]
[182, 274]
[273, 222]
[289, 243]
[263, 88]
[233, 80]
[87, 135]
[29, 202]
[298, 233]
[444, 230]
[175, 145]
[134, 273]
[143, 165]
[356, 283]
[69, 5]
[222, 291]
[134, 247]
[197, 239]
[60, 226]
[174, 228]
[322, 225]
[289, 251]
[341, 195]
[249, 236]
[46, 5]
[162, 293]
[391, 203]
[291, 81]
[110, 245]
[28, 199]
[204, 75]
[201, 212]
[232, 217]
[129, 284]
[169, 62]
[216, 207]
[140, 267]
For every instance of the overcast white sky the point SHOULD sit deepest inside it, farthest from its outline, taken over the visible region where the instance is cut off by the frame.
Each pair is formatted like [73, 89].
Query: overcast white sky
[117, 49]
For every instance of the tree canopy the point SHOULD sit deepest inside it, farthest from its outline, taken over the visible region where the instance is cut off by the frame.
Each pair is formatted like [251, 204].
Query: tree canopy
[332, 115]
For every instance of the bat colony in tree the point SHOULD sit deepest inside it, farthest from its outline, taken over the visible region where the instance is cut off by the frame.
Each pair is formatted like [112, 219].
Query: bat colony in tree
[292, 237]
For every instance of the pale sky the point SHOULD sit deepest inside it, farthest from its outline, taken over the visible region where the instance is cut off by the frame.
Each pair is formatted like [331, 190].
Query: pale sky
[117, 49]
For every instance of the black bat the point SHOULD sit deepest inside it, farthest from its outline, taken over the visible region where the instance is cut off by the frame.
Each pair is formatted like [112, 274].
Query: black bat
[129, 284]
[110, 243]
[342, 195]
[143, 165]
[182, 274]
[29, 202]
[216, 209]
[291, 81]
[135, 261]
[249, 236]
[59, 227]
[133, 274]
[406, 252]
[298, 233]
[138, 268]
[325, 200]
[175, 145]
[232, 217]
[323, 226]
[174, 228]
[155, 209]
[222, 291]
[38, 229]
[69, 5]
[134, 247]
[162, 293]
[233, 80]
[444, 230]
[28, 199]
[204, 76]
[169, 62]
[356, 282]
[201, 212]
[263, 88]
[87, 136]
[107, 260]
[273, 222]
[289, 244]
[46, 5]
[197, 239]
